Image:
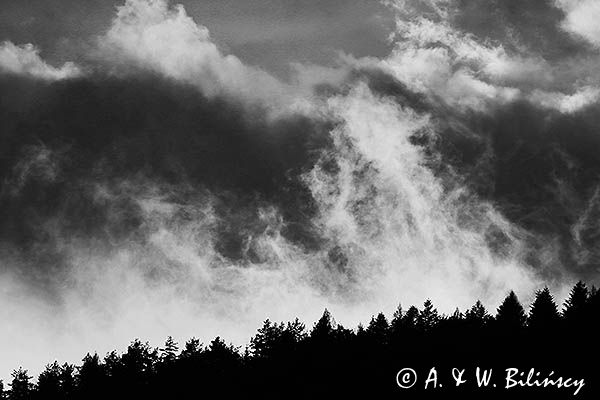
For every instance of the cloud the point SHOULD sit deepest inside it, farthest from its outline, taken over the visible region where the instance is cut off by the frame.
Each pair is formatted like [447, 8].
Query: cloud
[581, 19]
[151, 126]
[433, 71]
[25, 60]
[566, 103]
[36, 162]
[153, 35]
[516, 125]
[434, 57]
[152, 195]
[392, 218]
[309, 76]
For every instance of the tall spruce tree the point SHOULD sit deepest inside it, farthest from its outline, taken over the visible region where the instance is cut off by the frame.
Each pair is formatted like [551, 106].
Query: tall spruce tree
[544, 311]
[428, 317]
[511, 315]
[324, 326]
[575, 306]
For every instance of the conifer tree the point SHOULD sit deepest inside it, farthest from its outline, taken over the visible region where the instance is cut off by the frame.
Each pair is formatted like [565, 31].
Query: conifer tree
[67, 380]
[169, 351]
[378, 328]
[295, 331]
[265, 342]
[544, 311]
[594, 302]
[511, 315]
[21, 386]
[191, 349]
[410, 318]
[90, 375]
[457, 315]
[428, 317]
[49, 381]
[477, 316]
[324, 326]
[576, 304]
[396, 322]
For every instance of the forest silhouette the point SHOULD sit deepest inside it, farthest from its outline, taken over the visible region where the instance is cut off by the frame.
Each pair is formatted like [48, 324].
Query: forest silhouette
[286, 360]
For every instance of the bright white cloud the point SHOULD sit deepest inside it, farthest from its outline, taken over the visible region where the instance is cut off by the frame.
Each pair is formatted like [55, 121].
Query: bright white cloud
[433, 58]
[397, 221]
[582, 19]
[152, 34]
[26, 60]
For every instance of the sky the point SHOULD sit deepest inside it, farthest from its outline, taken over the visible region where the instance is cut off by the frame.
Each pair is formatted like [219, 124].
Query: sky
[194, 168]
[266, 33]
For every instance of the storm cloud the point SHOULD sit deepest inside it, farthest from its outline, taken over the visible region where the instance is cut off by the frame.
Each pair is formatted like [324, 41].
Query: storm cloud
[154, 183]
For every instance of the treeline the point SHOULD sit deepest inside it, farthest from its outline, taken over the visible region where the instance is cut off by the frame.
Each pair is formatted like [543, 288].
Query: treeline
[289, 360]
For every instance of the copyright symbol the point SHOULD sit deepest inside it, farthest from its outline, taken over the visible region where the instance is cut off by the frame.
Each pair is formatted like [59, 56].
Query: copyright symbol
[406, 378]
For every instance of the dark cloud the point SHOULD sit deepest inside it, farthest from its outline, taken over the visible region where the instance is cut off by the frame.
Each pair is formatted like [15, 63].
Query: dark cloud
[538, 167]
[59, 139]
[464, 162]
